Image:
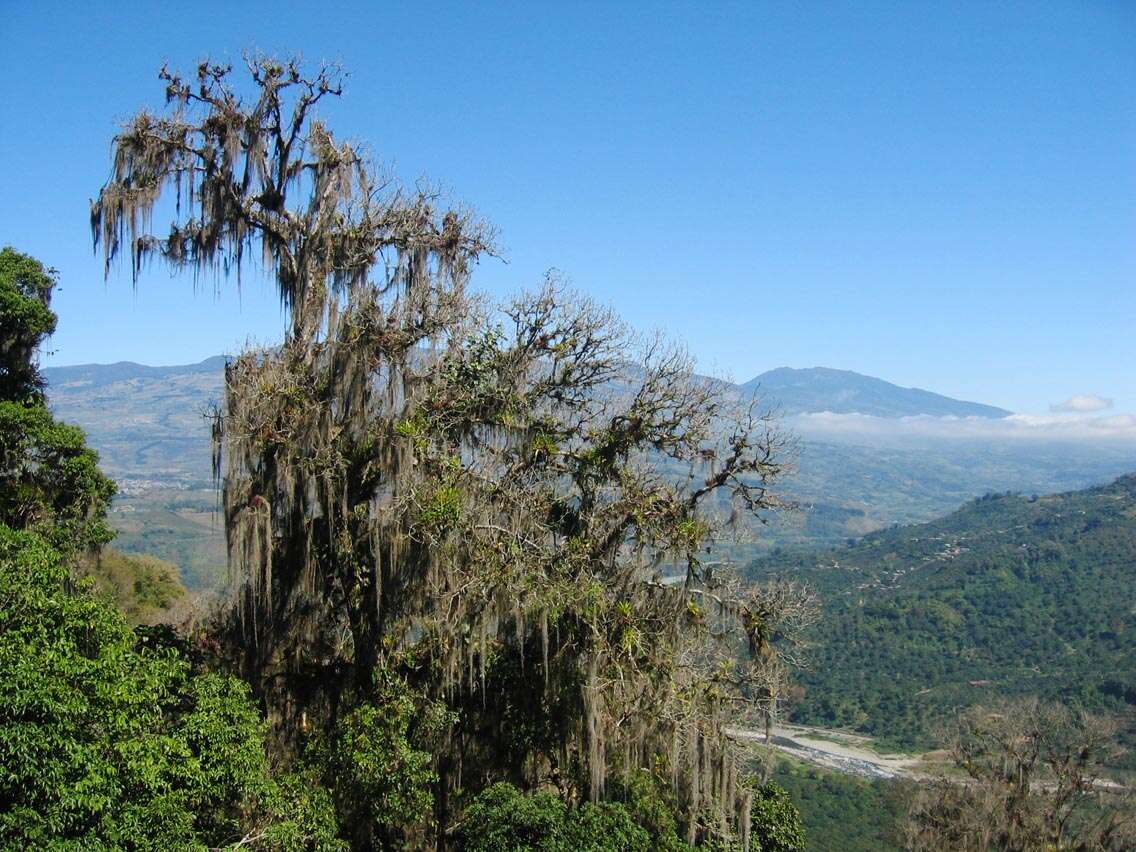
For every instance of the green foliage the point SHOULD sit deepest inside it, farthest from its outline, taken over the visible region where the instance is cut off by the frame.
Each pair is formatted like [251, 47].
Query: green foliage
[49, 479]
[300, 816]
[543, 444]
[142, 587]
[690, 533]
[382, 782]
[604, 827]
[442, 510]
[478, 372]
[411, 427]
[775, 822]
[1009, 596]
[108, 739]
[651, 803]
[503, 819]
[108, 743]
[25, 321]
[843, 813]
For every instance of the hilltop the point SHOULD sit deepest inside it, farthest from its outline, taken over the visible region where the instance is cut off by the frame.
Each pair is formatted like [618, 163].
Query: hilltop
[102, 375]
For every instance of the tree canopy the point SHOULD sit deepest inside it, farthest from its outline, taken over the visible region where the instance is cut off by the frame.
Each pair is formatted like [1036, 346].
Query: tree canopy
[49, 478]
[114, 742]
[26, 319]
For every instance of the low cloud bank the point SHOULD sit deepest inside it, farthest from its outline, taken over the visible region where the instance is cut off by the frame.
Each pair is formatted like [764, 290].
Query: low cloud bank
[1082, 403]
[1052, 427]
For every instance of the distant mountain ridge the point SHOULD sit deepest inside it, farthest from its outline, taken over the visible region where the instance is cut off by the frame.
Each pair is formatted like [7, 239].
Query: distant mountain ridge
[105, 374]
[817, 389]
[148, 426]
[790, 390]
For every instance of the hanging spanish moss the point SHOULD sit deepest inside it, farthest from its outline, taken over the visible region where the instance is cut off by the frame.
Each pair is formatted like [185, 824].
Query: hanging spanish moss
[415, 474]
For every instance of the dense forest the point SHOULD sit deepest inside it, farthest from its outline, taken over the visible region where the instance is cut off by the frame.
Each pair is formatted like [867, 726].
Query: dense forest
[1009, 596]
[845, 813]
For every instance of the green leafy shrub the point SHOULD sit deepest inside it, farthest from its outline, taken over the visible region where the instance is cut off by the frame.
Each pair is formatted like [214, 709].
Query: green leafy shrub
[108, 743]
[775, 822]
[605, 827]
[50, 479]
[503, 819]
[302, 816]
[143, 587]
[651, 803]
[382, 783]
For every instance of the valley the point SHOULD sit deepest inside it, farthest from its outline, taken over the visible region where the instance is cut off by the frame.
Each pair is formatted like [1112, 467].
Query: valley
[929, 607]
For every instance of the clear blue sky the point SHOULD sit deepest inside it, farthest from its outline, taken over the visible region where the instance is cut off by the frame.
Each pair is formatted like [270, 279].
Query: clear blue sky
[939, 194]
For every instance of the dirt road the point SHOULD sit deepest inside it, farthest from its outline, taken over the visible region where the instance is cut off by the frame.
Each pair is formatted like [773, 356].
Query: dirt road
[835, 750]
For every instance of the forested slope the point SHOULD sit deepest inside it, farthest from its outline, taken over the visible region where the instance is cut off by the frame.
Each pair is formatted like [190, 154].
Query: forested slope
[1010, 595]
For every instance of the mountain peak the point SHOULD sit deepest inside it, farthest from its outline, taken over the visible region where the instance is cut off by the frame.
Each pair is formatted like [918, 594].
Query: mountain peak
[815, 389]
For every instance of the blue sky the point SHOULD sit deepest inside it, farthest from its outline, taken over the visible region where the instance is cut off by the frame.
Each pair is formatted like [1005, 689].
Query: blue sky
[938, 194]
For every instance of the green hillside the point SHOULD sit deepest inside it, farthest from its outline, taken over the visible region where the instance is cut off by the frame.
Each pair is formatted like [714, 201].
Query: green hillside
[843, 813]
[144, 588]
[1009, 595]
[847, 488]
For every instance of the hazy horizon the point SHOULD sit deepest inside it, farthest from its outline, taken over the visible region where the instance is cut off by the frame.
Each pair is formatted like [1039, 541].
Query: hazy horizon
[1096, 421]
[941, 198]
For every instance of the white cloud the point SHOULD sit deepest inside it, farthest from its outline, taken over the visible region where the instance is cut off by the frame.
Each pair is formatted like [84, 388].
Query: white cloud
[1082, 403]
[1049, 427]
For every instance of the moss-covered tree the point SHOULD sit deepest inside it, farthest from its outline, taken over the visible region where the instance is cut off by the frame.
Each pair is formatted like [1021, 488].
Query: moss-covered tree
[481, 497]
[1035, 777]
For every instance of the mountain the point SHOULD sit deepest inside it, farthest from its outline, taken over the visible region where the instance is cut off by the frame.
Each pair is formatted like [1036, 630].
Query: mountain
[1007, 596]
[101, 375]
[819, 389]
[149, 428]
[147, 424]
